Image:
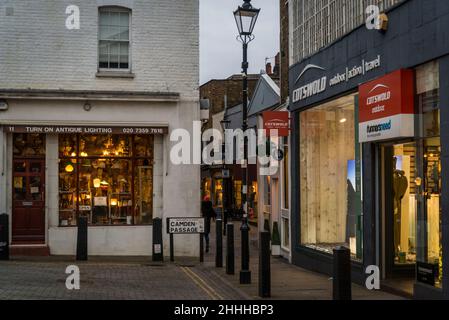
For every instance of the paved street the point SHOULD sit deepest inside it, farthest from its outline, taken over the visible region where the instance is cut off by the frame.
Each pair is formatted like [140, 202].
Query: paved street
[139, 278]
[109, 280]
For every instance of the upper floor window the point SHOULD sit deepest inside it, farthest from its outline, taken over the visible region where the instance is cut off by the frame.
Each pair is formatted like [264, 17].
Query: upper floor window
[114, 45]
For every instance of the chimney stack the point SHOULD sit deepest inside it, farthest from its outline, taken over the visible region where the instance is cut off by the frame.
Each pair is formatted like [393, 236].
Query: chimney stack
[268, 69]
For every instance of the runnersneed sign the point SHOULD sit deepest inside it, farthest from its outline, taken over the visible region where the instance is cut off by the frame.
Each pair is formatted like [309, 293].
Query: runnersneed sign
[386, 107]
[185, 225]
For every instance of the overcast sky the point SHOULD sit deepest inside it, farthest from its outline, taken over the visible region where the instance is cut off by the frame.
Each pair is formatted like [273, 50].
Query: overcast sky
[220, 52]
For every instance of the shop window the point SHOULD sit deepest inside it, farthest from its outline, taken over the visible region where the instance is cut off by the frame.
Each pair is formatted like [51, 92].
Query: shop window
[28, 145]
[237, 194]
[330, 175]
[108, 178]
[286, 174]
[114, 37]
[429, 213]
[252, 201]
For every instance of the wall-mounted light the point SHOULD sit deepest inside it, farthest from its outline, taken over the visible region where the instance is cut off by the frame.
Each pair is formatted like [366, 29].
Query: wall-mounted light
[343, 120]
[113, 202]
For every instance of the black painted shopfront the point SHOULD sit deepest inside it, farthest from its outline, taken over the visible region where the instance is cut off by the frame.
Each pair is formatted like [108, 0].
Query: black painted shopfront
[377, 187]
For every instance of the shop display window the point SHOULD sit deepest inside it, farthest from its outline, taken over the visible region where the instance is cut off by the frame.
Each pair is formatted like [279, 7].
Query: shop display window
[107, 178]
[29, 145]
[330, 175]
[429, 213]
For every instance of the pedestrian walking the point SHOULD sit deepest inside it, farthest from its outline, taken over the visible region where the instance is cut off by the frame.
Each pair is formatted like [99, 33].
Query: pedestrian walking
[208, 212]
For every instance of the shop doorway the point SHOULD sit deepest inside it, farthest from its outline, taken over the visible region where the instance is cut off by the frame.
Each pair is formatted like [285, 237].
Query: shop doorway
[28, 217]
[399, 206]
[28, 189]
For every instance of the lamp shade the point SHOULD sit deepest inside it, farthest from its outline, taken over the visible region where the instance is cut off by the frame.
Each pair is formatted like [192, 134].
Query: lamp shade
[245, 18]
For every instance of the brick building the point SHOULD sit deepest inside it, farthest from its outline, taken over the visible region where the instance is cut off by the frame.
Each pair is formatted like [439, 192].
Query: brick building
[86, 118]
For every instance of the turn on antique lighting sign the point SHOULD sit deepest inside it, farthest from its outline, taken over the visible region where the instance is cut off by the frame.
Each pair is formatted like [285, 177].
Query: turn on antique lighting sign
[84, 129]
[386, 107]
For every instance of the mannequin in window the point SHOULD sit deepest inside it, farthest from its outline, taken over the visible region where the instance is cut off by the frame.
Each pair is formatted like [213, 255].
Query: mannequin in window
[400, 185]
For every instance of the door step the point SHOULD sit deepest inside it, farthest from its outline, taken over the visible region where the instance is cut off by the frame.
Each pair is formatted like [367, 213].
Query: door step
[41, 250]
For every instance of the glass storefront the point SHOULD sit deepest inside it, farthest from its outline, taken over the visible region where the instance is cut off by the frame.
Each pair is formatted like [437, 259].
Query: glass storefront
[429, 213]
[330, 177]
[108, 178]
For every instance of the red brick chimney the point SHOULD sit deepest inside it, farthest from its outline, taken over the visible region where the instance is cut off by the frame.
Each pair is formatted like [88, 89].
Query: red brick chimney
[268, 69]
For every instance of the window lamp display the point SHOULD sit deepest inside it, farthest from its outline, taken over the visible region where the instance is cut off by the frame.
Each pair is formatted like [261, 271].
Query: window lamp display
[108, 178]
[330, 175]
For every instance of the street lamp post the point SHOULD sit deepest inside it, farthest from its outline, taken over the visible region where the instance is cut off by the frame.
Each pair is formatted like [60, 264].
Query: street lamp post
[245, 17]
[225, 125]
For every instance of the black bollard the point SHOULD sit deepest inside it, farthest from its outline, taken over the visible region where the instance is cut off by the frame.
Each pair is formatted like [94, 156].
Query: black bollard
[264, 265]
[342, 274]
[219, 251]
[4, 236]
[81, 243]
[245, 273]
[230, 249]
[201, 247]
[158, 251]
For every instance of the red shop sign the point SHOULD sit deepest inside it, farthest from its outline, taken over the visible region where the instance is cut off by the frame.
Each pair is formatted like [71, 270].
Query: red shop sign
[386, 107]
[276, 120]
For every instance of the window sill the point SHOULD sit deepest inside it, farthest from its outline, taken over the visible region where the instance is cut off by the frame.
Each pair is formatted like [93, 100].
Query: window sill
[115, 74]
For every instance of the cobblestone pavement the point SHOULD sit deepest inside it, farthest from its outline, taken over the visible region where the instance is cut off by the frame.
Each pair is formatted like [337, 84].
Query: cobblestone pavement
[110, 280]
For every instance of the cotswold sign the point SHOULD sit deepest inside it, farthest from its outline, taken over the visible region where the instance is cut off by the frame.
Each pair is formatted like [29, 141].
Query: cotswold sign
[185, 225]
[386, 107]
[321, 84]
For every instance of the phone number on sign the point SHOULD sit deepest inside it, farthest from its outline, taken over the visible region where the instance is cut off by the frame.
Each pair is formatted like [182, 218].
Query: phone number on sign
[143, 130]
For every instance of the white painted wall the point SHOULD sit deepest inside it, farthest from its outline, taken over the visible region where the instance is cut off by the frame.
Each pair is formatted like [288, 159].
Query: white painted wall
[37, 51]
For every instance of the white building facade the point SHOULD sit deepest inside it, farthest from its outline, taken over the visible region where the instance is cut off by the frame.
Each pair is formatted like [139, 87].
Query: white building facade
[87, 112]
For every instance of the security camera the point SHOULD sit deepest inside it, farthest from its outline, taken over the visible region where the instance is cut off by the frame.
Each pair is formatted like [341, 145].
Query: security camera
[3, 105]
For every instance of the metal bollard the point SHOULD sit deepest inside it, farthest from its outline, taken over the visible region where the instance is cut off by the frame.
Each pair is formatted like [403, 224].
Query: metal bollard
[245, 273]
[158, 251]
[342, 274]
[264, 265]
[4, 236]
[230, 249]
[81, 243]
[219, 247]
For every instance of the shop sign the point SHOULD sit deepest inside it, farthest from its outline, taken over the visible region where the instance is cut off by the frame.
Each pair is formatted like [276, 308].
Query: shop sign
[276, 120]
[426, 273]
[84, 129]
[321, 84]
[386, 107]
[185, 225]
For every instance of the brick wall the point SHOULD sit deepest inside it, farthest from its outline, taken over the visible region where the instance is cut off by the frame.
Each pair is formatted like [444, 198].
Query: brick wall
[215, 91]
[284, 47]
[37, 51]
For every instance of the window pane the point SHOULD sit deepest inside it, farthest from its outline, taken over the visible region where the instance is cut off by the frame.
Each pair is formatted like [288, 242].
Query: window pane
[67, 193]
[124, 33]
[124, 47]
[67, 145]
[124, 19]
[143, 188]
[28, 144]
[330, 214]
[105, 145]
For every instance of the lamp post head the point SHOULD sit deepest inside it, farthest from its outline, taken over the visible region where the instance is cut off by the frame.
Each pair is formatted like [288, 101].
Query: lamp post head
[245, 18]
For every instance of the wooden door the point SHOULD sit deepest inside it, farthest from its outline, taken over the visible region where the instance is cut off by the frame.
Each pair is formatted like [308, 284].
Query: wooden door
[28, 218]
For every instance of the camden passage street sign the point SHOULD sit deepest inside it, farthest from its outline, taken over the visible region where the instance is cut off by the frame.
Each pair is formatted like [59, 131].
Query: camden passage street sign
[185, 225]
